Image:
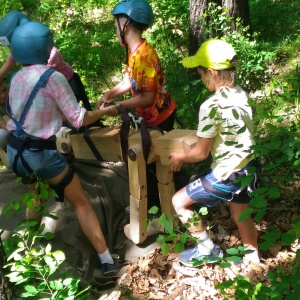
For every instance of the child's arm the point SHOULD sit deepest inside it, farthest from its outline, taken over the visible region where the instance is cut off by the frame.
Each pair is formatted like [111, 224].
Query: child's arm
[93, 116]
[120, 89]
[198, 153]
[6, 68]
[144, 99]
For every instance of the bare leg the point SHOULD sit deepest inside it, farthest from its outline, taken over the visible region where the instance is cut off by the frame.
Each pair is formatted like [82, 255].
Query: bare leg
[86, 215]
[182, 205]
[246, 228]
[205, 247]
[33, 213]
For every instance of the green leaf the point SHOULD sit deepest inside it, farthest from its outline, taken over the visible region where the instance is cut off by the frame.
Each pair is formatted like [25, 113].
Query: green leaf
[232, 251]
[57, 285]
[213, 112]
[178, 247]
[48, 249]
[67, 281]
[207, 127]
[165, 248]
[274, 235]
[233, 258]
[287, 238]
[16, 205]
[168, 227]
[258, 201]
[31, 289]
[242, 130]
[6, 209]
[235, 114]
[245, 214]
[44, 194]
[225, 265]
[230, 143]
[259, 191]
[260, 214]
[153, 210]
[162, 218]
[203, 211]
[274, 192]
[246, 180]
[59, 255]
[49, 235]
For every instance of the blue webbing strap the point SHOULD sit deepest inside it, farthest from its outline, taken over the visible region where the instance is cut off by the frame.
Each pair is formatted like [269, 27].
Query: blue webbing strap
[41, 83]
[21, 146]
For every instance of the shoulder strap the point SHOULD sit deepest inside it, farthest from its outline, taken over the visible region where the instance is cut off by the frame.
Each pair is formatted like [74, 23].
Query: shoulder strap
[41, 83]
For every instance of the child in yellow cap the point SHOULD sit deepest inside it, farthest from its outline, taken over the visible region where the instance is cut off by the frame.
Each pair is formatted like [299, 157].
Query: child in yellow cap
[225, 130]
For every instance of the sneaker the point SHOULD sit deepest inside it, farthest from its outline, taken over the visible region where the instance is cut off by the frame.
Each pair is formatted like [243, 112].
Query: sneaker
[192, 257]
[112, 269]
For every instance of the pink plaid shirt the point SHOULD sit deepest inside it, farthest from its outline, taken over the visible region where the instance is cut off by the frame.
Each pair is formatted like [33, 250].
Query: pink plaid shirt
[51, 103]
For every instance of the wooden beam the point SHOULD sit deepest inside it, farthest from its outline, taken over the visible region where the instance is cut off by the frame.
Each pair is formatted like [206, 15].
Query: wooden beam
[138, 194]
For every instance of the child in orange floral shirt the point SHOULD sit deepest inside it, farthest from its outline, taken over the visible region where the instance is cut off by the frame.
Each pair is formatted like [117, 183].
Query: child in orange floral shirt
[144, 76]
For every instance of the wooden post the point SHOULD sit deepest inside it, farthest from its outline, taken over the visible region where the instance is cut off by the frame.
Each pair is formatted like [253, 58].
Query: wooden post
[166, 188]
[138, 194]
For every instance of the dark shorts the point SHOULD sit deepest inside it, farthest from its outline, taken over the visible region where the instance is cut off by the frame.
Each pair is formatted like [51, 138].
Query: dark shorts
[196, 191]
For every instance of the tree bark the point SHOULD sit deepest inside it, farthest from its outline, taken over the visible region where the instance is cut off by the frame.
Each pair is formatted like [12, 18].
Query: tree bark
[237, 9]
[6, 287]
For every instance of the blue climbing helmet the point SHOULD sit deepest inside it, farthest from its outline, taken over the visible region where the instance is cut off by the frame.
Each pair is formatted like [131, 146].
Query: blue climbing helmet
[9, 23]
[139, 11]
[31, 43]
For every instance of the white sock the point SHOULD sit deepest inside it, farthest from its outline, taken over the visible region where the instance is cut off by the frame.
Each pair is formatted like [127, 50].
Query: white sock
[205, 244]
[105, 257]
[252, 257]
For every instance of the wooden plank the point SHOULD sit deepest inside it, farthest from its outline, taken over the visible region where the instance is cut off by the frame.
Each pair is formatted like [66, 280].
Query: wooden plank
[137, 173]
[177, 140]
[138, 194]
[135, 138]
[166, 188]
[107, 142]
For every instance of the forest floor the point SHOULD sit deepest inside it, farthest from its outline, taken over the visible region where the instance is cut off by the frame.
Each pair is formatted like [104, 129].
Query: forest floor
[158, 276]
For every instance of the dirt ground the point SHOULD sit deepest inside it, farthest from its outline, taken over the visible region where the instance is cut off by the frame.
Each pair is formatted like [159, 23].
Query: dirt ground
[149, 274]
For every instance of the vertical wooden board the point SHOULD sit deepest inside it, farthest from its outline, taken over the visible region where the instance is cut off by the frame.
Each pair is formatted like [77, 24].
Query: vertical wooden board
[138, 194]
[137, 173]
[166, 188]
[138, 219]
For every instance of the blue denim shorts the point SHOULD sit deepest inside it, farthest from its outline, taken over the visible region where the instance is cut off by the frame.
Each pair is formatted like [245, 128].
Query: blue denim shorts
[196, 191]
[46, 163]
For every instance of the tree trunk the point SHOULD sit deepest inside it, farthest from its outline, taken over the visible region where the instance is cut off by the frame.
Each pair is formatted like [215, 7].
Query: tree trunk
[237, 8]
[6, 287]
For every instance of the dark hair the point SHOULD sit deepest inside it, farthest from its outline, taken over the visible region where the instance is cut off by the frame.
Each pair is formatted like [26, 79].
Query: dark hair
[140, 26]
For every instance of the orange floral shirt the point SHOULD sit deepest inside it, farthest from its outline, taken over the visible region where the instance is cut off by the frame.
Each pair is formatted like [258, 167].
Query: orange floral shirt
[146, 75]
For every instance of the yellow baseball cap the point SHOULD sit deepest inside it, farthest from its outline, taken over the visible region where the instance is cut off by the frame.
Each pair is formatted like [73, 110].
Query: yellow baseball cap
[214, 54]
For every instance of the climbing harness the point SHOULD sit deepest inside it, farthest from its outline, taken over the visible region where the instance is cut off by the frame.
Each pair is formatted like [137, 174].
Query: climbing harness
[33, 143]
[138, 123]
